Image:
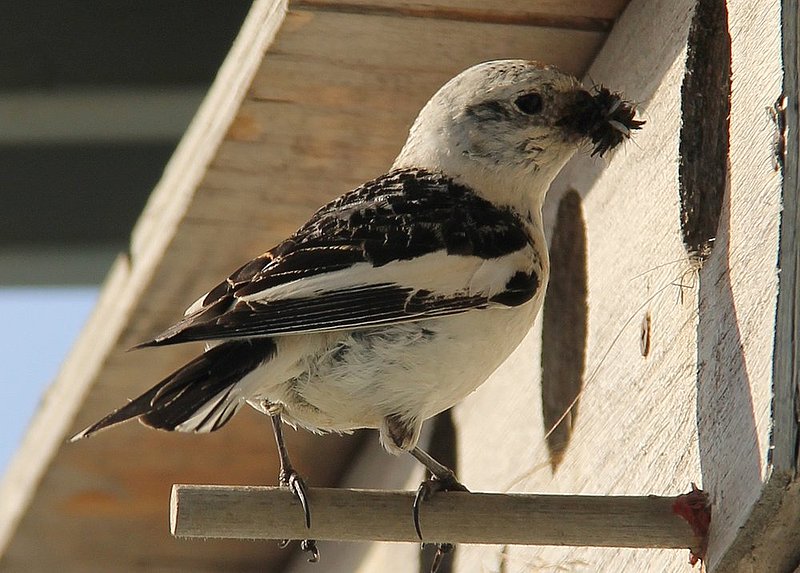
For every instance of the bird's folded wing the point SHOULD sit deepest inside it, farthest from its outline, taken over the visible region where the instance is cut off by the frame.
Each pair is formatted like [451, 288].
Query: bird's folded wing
[408, 246]
[346, 308]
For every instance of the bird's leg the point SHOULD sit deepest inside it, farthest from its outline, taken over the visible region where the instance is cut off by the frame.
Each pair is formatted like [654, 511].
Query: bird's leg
[444, 479]
[289, 478]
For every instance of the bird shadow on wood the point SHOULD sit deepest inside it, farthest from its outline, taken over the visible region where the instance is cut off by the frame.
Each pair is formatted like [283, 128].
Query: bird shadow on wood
[564, 327]
[579, 177]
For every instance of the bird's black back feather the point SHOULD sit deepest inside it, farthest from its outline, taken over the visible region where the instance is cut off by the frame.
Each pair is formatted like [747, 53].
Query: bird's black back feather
[399, 216]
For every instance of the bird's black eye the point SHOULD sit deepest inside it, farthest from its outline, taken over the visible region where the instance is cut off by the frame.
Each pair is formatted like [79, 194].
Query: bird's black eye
[529, 104]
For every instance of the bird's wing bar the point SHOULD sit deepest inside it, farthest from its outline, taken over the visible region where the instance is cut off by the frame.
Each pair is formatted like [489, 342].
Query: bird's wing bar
[400, 216]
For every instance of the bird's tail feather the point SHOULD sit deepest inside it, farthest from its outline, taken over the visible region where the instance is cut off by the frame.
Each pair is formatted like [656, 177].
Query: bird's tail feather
[198, 397]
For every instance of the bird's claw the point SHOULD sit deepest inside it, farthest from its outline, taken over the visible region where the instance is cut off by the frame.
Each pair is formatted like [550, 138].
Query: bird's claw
[295, 484]
[306, 545]
[310, 546]
[424, 492]
[442, 549]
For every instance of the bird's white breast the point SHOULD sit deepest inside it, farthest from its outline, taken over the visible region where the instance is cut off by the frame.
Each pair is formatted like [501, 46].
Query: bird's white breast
[415, 370]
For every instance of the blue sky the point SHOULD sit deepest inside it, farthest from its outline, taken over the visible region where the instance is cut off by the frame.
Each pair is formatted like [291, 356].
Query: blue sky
[38, 328]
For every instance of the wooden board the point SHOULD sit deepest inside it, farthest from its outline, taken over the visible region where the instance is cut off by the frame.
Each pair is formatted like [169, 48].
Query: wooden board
[513, 10]
[699, 406]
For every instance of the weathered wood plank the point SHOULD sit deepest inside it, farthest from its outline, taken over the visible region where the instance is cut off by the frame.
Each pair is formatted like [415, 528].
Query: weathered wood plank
[770, 538]
[700, 403]
[787, 340]
[383, 42]
[491, 11]
[787, 335]
[738, 293]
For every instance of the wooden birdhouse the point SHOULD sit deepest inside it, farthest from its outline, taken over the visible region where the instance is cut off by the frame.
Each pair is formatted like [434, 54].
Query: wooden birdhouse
[666, 353]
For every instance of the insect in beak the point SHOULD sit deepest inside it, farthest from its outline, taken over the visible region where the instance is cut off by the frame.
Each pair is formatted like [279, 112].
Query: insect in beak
[602, 116]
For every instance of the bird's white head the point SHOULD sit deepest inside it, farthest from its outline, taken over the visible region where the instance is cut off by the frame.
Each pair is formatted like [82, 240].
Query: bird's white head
[507, 127]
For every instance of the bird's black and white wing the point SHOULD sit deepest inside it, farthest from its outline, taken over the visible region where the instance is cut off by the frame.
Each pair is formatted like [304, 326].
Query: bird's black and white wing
[406, 246]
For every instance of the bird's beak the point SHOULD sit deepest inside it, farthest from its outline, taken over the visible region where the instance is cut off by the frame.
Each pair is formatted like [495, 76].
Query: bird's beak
[602, 116]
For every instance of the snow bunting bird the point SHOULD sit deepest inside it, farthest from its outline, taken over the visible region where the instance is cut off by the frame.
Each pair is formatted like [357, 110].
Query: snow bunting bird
[398, 299]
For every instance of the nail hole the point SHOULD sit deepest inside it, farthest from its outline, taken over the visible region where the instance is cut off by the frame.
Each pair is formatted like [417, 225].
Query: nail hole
[564, 328]
[644, 336]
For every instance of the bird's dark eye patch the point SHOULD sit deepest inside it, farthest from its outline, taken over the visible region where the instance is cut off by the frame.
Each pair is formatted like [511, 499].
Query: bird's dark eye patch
[529, 104]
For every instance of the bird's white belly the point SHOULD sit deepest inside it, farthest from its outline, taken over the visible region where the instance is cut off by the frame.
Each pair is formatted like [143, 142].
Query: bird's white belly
[414, 370]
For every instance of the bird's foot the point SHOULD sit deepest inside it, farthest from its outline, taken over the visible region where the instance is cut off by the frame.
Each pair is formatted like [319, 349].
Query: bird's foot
[306, 545]
[427, 489]
[309, 546]
[291, 480]
[442, 549]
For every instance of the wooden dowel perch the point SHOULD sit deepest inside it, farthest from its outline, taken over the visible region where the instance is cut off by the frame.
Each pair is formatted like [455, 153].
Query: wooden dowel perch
[247, 512]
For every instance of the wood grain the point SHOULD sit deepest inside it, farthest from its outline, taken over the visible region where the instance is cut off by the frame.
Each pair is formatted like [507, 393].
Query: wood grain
[585, 9]
[699, 406]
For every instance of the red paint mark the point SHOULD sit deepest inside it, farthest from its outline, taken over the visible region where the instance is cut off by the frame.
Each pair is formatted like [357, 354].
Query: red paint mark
[696, 510]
